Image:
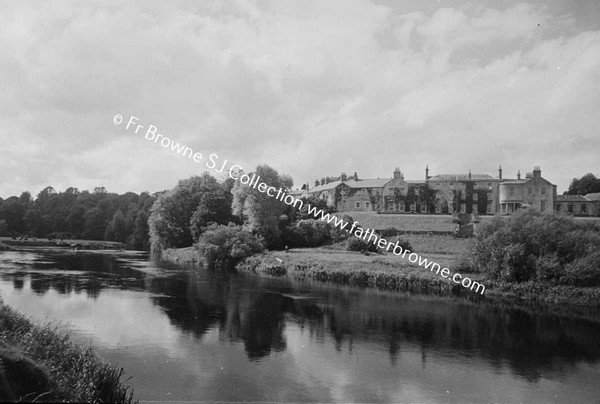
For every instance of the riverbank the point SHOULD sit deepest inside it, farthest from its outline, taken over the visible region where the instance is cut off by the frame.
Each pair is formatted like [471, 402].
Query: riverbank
[390, 272]
[40, 363]
[8, 243]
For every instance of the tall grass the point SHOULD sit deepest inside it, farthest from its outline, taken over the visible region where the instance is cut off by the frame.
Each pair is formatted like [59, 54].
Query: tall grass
[75, 373]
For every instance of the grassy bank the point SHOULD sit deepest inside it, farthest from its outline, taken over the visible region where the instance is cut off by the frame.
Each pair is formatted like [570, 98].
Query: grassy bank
[40, 363]
[390, 272]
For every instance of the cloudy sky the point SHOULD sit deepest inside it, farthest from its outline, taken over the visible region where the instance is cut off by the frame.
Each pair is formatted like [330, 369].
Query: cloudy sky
[312, 88]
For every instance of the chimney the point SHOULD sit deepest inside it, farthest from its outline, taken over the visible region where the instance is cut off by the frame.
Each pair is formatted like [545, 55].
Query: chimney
[397, 174]
[518, 174]
[355, 176]
[500, 172]
[322, 181]
[426, 172]
[469, 174]
[343, 177]
[537, 172]
[316, 183]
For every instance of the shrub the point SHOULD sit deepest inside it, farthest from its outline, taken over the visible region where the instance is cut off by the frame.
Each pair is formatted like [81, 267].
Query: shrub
[224, 246]
[308, 233]
[583, 271]
[534, 246]
[358, 244]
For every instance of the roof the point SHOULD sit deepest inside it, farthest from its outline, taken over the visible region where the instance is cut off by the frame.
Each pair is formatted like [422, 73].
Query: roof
[325, 187]
[594, 196]
[572, 198]
[368, 183]
[463, 177]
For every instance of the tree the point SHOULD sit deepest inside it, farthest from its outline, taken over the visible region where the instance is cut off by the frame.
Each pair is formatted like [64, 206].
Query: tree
[94, 225]
[585, 185]
[169, 221]
[3, 228]
[259, 211]
[117, 228]
[213, 208]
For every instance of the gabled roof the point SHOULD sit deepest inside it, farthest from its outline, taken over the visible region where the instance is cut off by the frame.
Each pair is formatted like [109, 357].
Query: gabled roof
[463, 177]
[368, 183]
[594, 196]
[325, 187]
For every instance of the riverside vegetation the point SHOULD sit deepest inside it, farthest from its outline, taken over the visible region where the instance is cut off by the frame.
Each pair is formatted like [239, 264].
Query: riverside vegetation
[40, 363]
[229, 226]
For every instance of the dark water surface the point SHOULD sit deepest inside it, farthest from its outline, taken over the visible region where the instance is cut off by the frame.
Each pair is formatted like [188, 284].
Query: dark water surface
[191, 335]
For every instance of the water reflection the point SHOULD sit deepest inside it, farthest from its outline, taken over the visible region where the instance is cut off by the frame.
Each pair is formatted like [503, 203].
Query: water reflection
[303, 341]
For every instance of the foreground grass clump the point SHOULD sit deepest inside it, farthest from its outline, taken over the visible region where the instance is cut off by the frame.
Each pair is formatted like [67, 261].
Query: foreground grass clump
[531, 246]
[41, 363]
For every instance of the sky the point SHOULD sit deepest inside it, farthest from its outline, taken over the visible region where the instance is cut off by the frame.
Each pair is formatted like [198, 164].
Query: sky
[311, 88]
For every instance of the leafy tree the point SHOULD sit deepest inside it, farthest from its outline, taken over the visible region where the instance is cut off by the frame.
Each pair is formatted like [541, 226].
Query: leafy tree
[94, 224]
[117, 228]
[3, 228]
[260, 212]
[585, 185]
[213, 208]
[169, 221]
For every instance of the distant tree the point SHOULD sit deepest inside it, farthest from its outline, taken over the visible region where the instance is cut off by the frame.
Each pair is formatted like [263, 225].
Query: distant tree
[169, 222]
[3, 228]
[140, 237]
[117, 228]
[94, 225]
[36, 223]
[260, 212]
[585, 185]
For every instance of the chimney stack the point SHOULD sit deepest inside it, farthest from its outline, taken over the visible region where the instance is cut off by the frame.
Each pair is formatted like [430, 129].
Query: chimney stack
[500, 172]
[343, 177]
[426, 172]
[519, 174]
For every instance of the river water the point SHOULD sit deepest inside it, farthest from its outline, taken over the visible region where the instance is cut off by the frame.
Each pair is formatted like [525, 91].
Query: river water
[186, 334]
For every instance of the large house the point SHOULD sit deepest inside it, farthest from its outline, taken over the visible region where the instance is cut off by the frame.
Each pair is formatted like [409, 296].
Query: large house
[443, 193]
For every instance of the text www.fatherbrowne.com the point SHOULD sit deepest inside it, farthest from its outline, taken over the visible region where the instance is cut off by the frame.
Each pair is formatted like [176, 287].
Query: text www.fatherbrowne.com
[236, 172]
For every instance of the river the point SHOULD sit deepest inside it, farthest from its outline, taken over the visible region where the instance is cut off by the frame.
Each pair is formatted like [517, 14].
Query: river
[186, 334]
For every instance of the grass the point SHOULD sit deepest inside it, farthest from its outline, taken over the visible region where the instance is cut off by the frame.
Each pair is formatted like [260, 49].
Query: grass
[408, 222]
[40, 363]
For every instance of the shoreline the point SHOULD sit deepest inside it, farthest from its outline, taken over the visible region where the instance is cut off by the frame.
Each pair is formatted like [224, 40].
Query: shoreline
[40, 362]
[387, 272]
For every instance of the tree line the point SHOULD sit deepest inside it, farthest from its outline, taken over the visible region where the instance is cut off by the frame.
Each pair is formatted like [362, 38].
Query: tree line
[74, 214]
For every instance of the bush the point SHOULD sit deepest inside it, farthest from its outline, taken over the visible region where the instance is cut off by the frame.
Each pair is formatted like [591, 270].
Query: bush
[224, 246]
[358, 244]
[534, 246]
[583, 271]
[308, 233]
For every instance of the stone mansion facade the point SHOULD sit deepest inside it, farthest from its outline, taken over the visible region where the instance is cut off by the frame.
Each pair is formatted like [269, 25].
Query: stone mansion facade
[440, 194]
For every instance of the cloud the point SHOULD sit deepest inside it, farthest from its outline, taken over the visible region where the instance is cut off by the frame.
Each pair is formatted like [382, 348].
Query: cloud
[311, 88]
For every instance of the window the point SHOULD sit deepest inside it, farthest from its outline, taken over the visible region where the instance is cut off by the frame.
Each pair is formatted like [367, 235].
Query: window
[357, 204]
[583, 209]
[423, 208]
[390, 206]
[512, 191]
[413, 207]
[543, 190]
[463, 208]
[570, 208]
[542, 206]
[475, 196]
[558, 207]
[366, 205]
[489, 207]
[474, 185]
[489, 184]
[530, 190]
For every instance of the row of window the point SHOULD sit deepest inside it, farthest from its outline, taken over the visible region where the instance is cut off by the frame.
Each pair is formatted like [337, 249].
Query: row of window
[530, 191]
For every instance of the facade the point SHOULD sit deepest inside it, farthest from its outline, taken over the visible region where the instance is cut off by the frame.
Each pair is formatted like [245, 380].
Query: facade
[579, 205]
[532, 192]
[440, 194]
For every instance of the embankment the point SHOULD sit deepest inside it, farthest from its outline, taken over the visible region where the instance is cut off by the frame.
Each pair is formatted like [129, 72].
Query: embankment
[40, 363]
